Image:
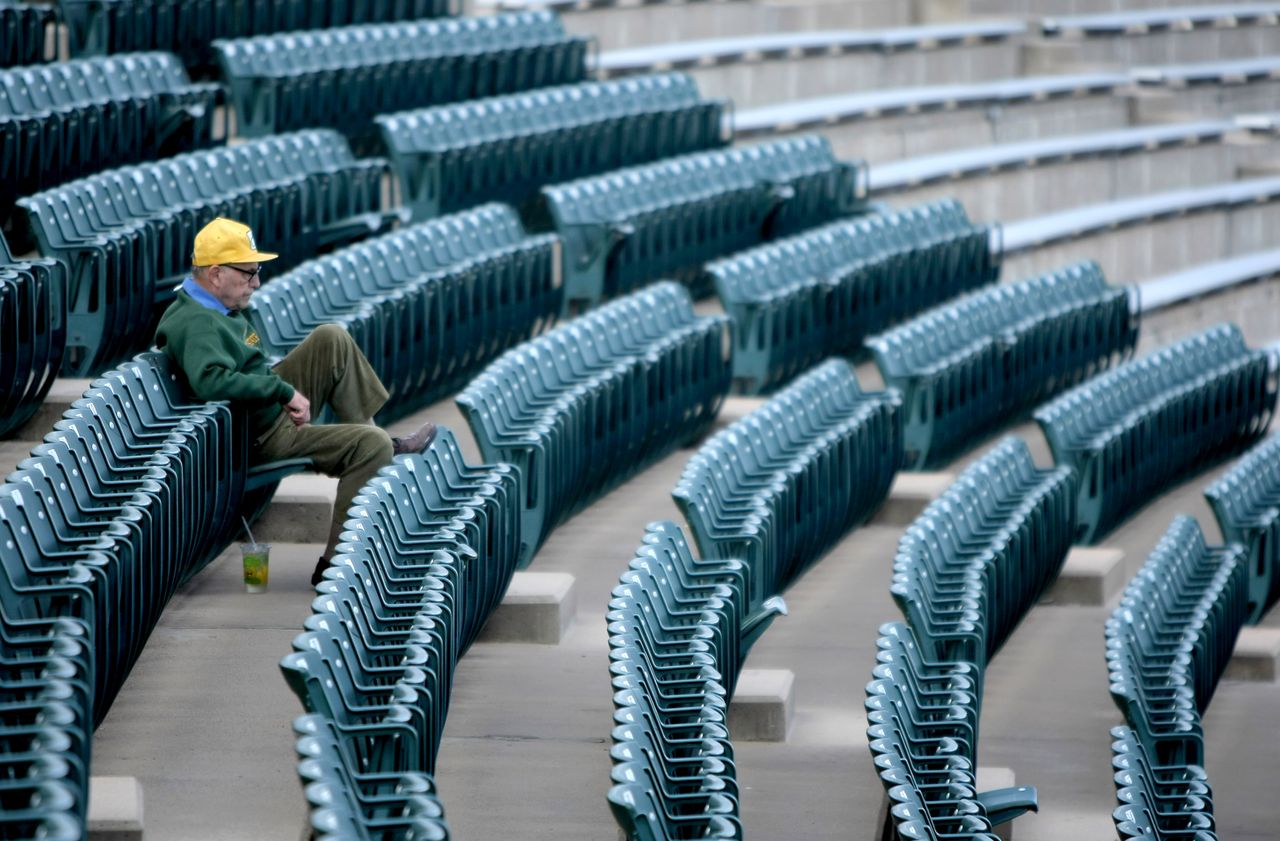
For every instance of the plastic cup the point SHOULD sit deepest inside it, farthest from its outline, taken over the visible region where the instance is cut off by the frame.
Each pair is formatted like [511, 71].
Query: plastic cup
[256, 559]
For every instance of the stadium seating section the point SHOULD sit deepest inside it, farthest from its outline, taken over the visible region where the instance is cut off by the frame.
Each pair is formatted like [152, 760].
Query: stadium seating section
[1168, 644]
[584, 406]
[506, 148]
[62, 121]
[33, 334]
[126, 234]
[798, 300]
[634, 226]
[973, 364]
[1131, 432]
[1244, 503]
[187, 27]
[430, 548]
[343, 77]
[518, 210]
[749, 492]
[429, 305]
[676, 646]
[24, 33]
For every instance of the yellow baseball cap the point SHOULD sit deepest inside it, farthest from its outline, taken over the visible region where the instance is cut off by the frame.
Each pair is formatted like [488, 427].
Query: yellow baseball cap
[225, 241]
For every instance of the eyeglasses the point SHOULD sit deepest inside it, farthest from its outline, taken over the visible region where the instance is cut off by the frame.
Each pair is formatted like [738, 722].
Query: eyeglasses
[249, 274]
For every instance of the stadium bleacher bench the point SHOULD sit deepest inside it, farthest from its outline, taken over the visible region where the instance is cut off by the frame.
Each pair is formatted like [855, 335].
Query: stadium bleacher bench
[1236, 72]
[1149, 21]
[827, 111]
[786, 46]
[1205, 279]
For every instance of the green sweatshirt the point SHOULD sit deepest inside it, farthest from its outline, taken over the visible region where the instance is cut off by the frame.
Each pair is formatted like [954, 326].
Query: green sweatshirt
[223, 359]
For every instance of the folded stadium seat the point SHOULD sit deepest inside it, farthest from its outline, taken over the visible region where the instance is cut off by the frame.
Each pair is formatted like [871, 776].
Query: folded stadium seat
[65, 120]
[676, 645]
[1168, 643]
[429, 305]
[780, 487]
[33, 334]
[1134, 430]
[348, 803]
[627, 228]
[24, 32]
[126, 234]
[798, 300]
[506, 148]
[343, 77]
[1244, 501]
[187, 27]
[974, 562]
[922, 716]
[1158, 801]
[588, 404]
[968, 366]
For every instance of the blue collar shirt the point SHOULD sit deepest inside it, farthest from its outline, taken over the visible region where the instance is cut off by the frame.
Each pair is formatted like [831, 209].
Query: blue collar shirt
[202, 296]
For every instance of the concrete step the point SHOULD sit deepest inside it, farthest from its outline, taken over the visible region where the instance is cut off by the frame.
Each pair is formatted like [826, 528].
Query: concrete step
[61, 395]
[1133, 254]
[300, 512]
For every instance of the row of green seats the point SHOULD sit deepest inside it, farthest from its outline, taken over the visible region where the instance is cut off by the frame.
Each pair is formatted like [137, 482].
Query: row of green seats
[343, 77]
[46, 700]
[1168, 643]
[974, 364]
[627, 228]
[126, 234]
[66, 120]
[430, 546]
[974, 562]
[588, 404]
[779, 488]
[186, 27]
[676, 647]
[799, 300]
[99, 526]
[24, 33]
[1134, 430]
[33, 334]
[1246, 503]
[1158, 801]
[506, 148]
[922, 717]
[429, 305]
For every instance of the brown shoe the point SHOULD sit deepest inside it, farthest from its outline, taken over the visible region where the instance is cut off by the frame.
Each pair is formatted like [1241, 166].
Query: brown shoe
[415, 443]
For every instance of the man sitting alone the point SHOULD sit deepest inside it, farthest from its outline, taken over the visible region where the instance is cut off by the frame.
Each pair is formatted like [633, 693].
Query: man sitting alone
[207, 334]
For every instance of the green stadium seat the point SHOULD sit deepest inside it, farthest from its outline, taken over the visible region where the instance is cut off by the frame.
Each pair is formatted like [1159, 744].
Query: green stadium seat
[1244, 501]
[506, 148]
[126, 234]
[342, 77]
[779, 488]
[24, 30]
[1132, 431]
[33, 334]
[588, 404]
[429, 305]
[630, 227]
[799, 300]
[968, 366]
[1158, 801]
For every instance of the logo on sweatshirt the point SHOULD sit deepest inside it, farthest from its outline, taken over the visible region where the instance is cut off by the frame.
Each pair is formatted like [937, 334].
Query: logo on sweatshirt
[251, 339]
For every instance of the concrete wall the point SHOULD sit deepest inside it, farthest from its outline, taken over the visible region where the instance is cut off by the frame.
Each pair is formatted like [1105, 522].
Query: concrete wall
[1254, 307]
[1055, 55]
[1034, 191]
[773, 82]
[1077, 7]
[1211, 101]
[635, 26]
[1135, 254]
[892, 138]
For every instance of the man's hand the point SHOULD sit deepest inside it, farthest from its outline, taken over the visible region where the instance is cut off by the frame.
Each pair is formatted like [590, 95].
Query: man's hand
[299, 409]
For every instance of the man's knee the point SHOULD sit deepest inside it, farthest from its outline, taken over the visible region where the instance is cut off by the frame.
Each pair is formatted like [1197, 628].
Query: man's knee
[373, 446]
[331, 334]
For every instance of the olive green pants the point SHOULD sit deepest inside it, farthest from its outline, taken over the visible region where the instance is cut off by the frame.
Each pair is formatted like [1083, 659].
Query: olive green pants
[328, 369]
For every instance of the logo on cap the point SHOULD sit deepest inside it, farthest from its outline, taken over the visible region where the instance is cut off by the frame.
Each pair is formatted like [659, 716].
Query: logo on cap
[248, 234]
